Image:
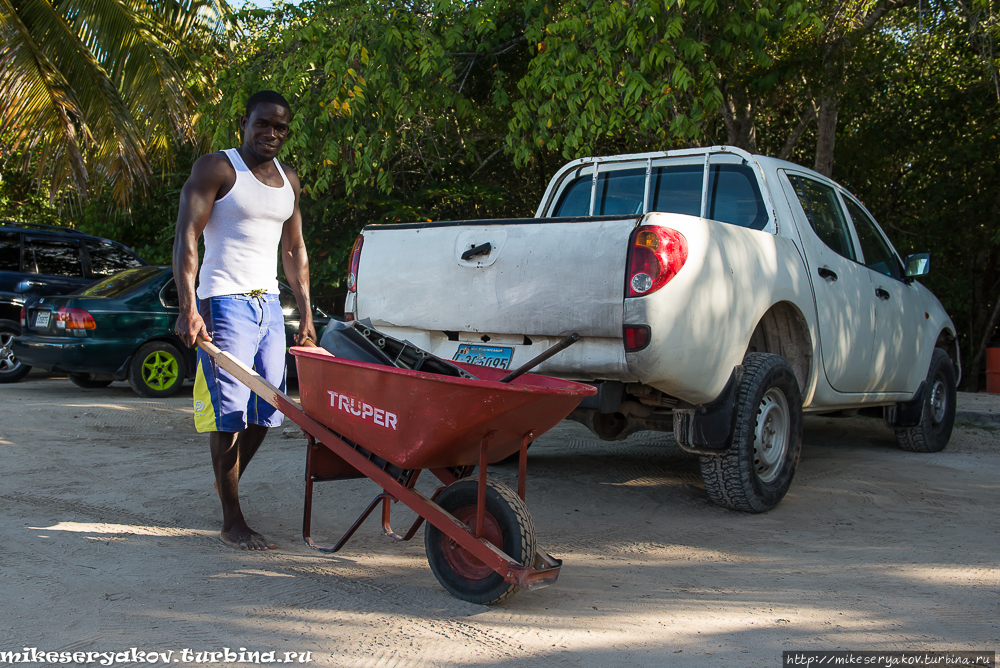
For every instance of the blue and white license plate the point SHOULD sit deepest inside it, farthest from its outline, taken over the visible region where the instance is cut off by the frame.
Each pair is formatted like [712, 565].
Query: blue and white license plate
[42, 319]
[497, 357]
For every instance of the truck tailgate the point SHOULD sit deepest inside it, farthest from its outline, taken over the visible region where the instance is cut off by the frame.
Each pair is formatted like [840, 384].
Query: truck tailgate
[532, 281]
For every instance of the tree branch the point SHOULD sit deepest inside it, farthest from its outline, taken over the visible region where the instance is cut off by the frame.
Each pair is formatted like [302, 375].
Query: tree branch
[804, 121]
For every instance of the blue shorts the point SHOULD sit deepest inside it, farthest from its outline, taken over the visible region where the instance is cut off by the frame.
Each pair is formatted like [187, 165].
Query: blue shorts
[251, 329]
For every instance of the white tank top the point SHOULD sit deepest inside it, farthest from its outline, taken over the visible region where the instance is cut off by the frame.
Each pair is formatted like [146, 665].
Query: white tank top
[243, 233]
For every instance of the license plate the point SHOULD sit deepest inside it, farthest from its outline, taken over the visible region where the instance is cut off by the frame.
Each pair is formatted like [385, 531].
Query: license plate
[42, 319]
[497, 357]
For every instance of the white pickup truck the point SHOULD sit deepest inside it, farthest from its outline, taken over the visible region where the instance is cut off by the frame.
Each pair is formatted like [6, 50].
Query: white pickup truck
[718, 294]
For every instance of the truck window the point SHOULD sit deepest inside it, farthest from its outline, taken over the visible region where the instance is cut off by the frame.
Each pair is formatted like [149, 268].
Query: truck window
[822, 209]
[575, 200]
[677, 189]
[734, 196]
[620, 192]
[878, 256]
[10, 251]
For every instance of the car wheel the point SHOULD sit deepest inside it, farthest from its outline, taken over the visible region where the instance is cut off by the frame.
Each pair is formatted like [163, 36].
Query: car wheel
[156, 370]
[11, 370]
[87, 380]
[938, 416]
[756, 472]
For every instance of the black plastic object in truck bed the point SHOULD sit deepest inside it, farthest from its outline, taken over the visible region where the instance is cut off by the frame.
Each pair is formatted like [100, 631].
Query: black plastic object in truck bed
[359, 341]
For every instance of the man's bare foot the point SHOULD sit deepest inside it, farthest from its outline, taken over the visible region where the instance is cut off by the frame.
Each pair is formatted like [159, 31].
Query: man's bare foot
[245, 538]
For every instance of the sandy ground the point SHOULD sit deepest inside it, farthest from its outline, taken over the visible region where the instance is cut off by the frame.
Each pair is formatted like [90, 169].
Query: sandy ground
[108, 529]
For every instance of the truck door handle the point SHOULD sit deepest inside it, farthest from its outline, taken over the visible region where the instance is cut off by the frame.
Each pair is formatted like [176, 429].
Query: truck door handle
[35, 283]
[827, 273]
[482, 249]
[881, 294]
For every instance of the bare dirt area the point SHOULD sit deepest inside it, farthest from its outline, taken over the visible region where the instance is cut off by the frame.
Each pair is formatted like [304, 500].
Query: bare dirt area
[108, 541]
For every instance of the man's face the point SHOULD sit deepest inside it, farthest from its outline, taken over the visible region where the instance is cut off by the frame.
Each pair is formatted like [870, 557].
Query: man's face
[265, 131]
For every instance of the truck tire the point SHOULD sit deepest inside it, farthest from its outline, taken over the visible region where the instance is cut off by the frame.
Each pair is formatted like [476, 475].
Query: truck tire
[938, 416]
[756, 472]
[11, 369]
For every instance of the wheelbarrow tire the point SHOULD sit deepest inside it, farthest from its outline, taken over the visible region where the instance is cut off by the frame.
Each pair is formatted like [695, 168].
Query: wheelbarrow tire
[508, 525]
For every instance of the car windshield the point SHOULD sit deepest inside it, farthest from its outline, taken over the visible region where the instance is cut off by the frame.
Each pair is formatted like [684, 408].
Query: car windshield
[121, 283]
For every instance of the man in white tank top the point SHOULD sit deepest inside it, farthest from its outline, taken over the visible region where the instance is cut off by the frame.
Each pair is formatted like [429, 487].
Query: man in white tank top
[245, 203]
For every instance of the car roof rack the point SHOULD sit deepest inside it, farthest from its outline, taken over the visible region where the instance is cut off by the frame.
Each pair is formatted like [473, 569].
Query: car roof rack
[41, 228]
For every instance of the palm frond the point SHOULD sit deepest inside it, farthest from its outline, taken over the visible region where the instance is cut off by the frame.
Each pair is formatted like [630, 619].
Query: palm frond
[92, 90]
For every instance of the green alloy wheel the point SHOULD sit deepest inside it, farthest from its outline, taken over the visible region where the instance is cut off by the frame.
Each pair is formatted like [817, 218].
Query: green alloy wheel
[157, 370]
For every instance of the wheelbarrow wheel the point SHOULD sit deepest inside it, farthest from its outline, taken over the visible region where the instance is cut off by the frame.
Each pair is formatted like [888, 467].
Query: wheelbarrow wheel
[507, 525]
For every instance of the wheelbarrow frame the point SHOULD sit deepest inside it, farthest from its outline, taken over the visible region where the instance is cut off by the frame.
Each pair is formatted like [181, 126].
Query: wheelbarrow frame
[544, 569]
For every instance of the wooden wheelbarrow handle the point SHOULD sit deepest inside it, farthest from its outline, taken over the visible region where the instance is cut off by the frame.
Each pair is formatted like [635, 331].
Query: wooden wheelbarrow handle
[247, 376]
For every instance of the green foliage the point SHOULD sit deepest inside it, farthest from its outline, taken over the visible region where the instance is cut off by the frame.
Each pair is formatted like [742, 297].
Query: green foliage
[23, 201]
[918, 145]
[148, 226]
[627, 76]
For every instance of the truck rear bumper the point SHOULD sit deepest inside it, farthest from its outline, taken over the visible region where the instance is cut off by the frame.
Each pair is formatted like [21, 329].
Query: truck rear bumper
[602, 358]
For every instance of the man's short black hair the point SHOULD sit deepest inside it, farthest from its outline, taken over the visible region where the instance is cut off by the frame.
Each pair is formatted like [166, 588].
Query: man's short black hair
[267, 96]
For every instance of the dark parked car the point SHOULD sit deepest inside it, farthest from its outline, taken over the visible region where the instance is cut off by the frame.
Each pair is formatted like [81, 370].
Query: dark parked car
[122, 328]
[44, 260]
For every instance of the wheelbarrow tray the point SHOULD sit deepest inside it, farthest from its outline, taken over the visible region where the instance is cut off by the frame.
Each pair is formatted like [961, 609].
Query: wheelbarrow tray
[417, 420]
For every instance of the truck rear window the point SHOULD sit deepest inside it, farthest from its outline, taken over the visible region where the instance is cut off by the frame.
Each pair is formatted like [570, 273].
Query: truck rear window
[733, 194]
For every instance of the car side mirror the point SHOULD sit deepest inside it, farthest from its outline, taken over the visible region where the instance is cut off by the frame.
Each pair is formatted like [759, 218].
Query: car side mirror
[917, 265]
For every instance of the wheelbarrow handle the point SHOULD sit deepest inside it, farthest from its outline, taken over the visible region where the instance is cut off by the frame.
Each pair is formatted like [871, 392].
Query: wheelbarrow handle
[246, 375]
[535, 361]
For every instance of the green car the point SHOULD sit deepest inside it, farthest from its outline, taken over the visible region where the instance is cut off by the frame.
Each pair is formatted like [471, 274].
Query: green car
[122, 328]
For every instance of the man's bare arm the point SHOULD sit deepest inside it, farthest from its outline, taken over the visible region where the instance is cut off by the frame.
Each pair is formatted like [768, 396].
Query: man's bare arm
[295, 262]
[209, 175]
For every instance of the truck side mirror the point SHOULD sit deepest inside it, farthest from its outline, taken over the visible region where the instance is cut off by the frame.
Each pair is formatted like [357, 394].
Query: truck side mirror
[918, 264]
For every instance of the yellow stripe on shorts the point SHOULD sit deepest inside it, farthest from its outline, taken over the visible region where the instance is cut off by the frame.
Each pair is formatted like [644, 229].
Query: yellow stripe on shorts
[204, 409]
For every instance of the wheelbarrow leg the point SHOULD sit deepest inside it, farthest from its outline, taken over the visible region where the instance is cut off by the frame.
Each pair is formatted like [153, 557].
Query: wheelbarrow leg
[522, 464]
[311, 448]
[481, 496]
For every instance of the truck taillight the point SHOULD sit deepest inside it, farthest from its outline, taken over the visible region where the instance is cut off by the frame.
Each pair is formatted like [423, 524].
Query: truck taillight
[655, 255]
[24, 317]
[352, 276]
[74, 318]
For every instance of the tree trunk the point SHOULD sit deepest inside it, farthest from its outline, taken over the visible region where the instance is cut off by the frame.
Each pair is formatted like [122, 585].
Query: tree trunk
[826, 134]
[739, 120]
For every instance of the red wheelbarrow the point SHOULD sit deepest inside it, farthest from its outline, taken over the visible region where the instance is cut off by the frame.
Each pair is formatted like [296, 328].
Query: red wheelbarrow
[389, 424]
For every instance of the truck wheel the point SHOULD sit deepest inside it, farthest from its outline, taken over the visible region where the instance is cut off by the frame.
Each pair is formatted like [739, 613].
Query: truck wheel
[755, 473]
[938, 417]
[11, 369]
[508, 525]
[156, 370]
[87, 380]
